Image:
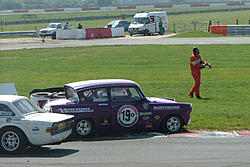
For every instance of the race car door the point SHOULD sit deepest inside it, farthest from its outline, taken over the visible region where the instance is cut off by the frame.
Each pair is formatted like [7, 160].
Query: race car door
[97, 102]
[126, 108]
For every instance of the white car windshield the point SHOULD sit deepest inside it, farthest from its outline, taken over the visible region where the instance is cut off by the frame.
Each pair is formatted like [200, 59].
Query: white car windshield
[24, 106]
[52, 26]
[139, 20]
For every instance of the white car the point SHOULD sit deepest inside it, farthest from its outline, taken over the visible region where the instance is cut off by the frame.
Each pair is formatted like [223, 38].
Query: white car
[50, 30]
[23, 124]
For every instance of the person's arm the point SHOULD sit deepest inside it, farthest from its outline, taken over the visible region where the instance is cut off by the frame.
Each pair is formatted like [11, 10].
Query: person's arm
[209, 65]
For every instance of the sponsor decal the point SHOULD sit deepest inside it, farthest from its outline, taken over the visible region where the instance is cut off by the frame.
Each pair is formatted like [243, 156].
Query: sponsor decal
[148, 126]
[166, 107]
[35, 129]
[8, 120]
[145, 106]
[127, 116]
[100, 100]
[145, 113]
[6, 113]
[105, 122]
[16, 119]
[157, 117]
[145, 117]
[74, 110]
[82, 99]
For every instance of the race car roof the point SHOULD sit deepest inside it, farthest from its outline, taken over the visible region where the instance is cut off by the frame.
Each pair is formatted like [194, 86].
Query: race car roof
[10, 98]
[101, 82]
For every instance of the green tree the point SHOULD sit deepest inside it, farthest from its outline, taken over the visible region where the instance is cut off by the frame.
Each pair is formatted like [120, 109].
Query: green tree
[64, 3]
[10, 4]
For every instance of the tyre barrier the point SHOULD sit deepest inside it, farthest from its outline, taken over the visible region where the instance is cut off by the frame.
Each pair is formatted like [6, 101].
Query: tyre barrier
[230, 29]
[40, 98]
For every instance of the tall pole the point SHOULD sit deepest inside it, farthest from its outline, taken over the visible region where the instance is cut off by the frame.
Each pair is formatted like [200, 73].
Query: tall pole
[121, 7]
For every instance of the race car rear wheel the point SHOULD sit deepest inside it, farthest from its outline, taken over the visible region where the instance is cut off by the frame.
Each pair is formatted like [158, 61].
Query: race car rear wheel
[12, 140]
[172, 124]
[83, 128]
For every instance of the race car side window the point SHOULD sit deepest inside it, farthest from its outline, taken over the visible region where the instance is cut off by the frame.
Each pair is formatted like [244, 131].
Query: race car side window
[124, 94]
[5, 111]
[96, 95]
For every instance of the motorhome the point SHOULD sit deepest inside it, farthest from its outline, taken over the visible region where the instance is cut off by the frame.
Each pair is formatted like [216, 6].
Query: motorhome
[148, 23]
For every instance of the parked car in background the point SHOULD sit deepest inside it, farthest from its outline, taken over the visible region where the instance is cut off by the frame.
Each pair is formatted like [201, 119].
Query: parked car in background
[23, 124]
[119, 23]
[50, 30]
[116, 105]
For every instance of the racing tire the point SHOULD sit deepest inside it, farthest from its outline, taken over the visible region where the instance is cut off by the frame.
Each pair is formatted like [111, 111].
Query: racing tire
[53, 36]
[12, 140]
[131, 34]
[83, 128]
[172, 124]
[146, 32]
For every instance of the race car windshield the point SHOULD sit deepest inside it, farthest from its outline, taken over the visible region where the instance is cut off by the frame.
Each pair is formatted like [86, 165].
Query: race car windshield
[71, 95]
[24, 106]
[139, 20]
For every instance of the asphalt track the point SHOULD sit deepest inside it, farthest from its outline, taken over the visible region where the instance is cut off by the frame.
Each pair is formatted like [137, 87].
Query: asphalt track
[30, 43]
[142, 150]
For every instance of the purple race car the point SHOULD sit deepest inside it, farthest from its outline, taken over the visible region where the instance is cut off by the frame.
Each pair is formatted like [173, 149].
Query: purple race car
[114, 105]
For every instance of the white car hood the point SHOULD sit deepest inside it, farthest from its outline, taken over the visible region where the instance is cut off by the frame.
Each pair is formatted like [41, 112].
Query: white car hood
[159, 100]
[47, 117]
[135, 25]
[48, 29]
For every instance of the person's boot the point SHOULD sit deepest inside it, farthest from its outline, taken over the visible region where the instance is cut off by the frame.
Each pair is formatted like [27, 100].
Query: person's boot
[198, 97]
[191, 95]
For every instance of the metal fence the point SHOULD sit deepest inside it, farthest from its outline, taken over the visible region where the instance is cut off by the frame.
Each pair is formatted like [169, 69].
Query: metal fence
[189, 26]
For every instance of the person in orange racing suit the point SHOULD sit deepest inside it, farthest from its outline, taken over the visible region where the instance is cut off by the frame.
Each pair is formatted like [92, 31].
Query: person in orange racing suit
[196, 63]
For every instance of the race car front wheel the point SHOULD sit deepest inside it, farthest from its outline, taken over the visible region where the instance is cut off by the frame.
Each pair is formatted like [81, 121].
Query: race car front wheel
[172, 124]
[12, 140]
[83, 128]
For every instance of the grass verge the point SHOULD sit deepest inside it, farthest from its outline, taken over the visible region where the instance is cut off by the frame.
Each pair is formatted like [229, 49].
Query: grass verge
[161, 70]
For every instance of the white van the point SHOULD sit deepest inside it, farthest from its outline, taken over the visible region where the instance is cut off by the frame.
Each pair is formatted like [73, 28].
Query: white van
[148, 23]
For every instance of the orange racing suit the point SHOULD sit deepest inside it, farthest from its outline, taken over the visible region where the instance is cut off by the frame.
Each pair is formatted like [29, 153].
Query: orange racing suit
[195, 65]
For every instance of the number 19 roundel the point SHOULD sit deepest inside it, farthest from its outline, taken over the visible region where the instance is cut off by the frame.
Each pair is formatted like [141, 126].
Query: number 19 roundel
[127, 116]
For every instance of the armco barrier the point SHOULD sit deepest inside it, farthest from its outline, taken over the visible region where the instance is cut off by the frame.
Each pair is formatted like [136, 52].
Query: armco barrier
[92, 33]
[71, 34]
[218, 29]
[230, 29]
[22, 33]
[238, 30]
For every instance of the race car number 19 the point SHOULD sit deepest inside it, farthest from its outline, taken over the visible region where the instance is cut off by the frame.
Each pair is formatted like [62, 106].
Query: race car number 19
[127, 116]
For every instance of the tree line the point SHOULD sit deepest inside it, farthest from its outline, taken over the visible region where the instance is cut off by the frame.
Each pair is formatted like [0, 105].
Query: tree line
[43, 4]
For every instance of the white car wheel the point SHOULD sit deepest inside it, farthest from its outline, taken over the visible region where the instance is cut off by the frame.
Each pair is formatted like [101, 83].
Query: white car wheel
[83, 128]
[172, 124]
[12, 140]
